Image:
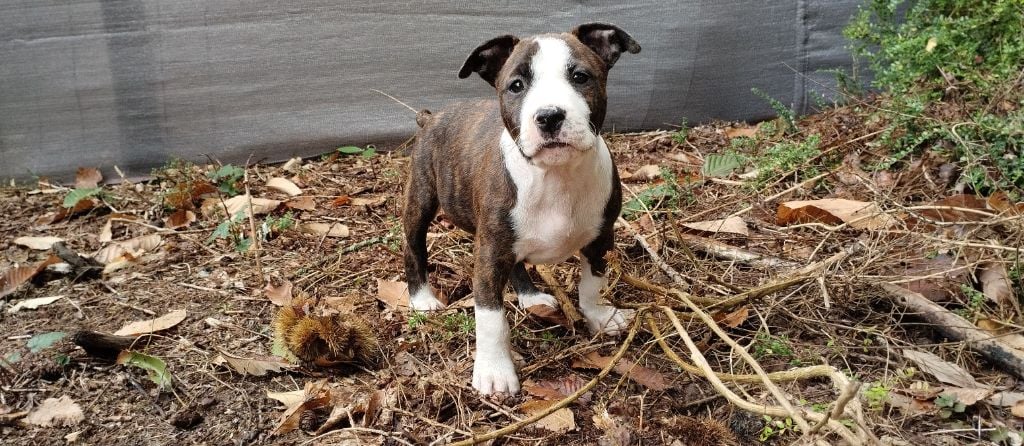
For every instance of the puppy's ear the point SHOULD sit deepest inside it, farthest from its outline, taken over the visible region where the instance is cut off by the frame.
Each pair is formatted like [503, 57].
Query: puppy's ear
[487, 59]
[607, 40]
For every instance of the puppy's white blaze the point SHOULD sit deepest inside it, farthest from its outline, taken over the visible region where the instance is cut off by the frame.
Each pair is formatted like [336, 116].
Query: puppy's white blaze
[550, 87]
[558, 210]
[493, 370]
[424, 300]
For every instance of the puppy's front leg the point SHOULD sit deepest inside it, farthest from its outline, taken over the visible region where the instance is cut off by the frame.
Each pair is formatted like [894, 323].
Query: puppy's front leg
[493, 370]
[601, 317]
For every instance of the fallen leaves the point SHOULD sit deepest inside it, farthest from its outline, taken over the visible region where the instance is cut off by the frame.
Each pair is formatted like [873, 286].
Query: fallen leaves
[649, 378]
[37, 243]
[549, 314]
[314, 396]
[32, 304]
[62, 411]
[285, 186]
[153, 325]
[255, 366]
[559, 421]
[730, 225]
[44, 341]
[128, 250]
[87, 177]
[643, 173]
[280, 294]
[995, 283]
[722, 164]
[14, 277]
[558, 388]
[393, 294]
[942, 370]
[325, 229]
[180, 219]
[834, 211]
[241, 204]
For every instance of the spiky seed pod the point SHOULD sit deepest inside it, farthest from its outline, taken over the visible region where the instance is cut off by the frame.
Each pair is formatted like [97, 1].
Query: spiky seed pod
[331, 340]
[703, 432]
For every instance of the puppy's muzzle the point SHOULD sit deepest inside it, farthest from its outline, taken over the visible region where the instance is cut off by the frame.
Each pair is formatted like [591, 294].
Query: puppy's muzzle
[549, 120]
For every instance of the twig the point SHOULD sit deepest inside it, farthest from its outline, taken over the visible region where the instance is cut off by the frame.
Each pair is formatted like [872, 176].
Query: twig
[564, 401]
[396, 100]
[568, 309]
[722, 250]
[258, 252]
[671, 272]
[849, 392]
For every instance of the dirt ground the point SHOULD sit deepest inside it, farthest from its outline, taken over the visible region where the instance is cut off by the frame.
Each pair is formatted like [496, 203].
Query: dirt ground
[416, 390]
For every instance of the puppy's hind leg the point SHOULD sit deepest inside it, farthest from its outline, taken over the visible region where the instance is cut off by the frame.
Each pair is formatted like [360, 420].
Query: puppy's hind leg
[527, 293]
[420, 208]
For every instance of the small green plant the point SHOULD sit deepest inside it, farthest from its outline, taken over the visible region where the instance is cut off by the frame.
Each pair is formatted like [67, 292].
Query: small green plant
[667, 192]
[416, 319]
[459, 322]
[366, 153]
[275, 225]
[766, 346]
[785, 113]
[787, 157]
[948, 405]
[227, 178]
[876, 395]
[77, 195]
[975, 302]
[679, 136]
[776, 428]
[232, 229]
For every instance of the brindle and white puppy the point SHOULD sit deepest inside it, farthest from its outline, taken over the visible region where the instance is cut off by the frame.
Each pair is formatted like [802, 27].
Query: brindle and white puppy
[529, 174]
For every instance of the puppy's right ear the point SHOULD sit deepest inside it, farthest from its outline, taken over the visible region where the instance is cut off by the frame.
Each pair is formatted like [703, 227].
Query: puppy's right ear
[487, 59]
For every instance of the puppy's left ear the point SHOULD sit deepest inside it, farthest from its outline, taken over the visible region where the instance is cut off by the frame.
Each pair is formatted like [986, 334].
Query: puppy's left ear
[607, 40]
[488, 58]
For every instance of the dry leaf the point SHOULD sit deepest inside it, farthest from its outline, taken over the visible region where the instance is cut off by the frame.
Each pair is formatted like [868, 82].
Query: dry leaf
[942, 370]
[255, 366]
[962, 201]
[1001, 331]
[561, 420]
[685, 158]
[910, 406]
[303, 203]
[180, 219]
[736, 132]
[968, 396]
[87, 178]
[240, 203]
[646, 173]
[83, 205]
[37, 243]
[549, 314]
[289, 399]
[61, 411]
[11, 279]
[315, 396]
[995, 283]
[649, 378]
[393, 294]
[833, 211]
[325, 229]
[281, 294]
[1018, 409]
[32, 304]
[735, 318]
[616, 433]
[285, 186]
[942, 274]
[374, 201]
[999, 201]
[732, 225]
[557, 389]
[107, 232]
[153, 325]
[1006, 399]
[128, 250]
[341, 200]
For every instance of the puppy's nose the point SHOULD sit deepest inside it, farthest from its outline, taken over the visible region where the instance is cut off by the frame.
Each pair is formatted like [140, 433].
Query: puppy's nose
[549, 120]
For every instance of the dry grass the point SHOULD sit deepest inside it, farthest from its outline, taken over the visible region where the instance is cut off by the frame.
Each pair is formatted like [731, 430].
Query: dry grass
[834, 315]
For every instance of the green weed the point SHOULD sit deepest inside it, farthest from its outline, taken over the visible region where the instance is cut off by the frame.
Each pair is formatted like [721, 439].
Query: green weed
[776, 428]
[786, 157]
[876, 395]
[227, 179]
[784, 113]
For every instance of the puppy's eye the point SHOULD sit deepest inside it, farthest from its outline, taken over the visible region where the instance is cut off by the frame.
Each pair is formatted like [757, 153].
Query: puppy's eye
[516, 86]
[580, 77]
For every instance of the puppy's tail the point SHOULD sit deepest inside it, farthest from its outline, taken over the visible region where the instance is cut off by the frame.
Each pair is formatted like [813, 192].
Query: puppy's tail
[423, 117]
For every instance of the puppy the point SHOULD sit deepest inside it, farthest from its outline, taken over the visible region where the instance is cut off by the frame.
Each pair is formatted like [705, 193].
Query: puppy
[528, 174]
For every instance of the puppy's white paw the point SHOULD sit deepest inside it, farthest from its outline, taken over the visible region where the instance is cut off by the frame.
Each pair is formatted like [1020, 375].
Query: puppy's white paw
[529, 300]
[424, 300]
[607, 319]
[493, 375]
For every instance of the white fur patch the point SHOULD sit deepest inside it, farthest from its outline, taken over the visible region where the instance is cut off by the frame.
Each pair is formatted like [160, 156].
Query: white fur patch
[560, 209]
[601, 317]
[493, 370]
[550, 87]
[529, 300]
[424, 300]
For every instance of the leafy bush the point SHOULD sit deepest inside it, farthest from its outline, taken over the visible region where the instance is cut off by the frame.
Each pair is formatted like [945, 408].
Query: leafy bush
[953, 71]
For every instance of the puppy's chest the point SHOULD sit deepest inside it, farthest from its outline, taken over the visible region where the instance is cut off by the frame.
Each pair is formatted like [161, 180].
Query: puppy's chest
[554, 218]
